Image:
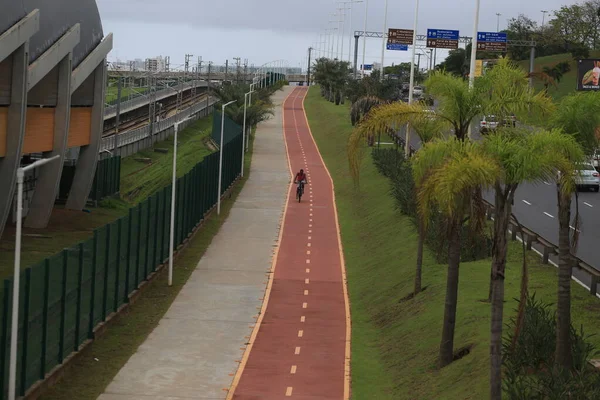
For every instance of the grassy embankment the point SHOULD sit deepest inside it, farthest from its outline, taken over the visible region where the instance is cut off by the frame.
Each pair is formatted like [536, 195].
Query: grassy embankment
[138, 181]
[395, 344]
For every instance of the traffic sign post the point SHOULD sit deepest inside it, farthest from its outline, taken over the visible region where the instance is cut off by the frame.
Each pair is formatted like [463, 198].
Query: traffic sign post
[394, 46]
[492, 41]
[442, 39]
[367, 67]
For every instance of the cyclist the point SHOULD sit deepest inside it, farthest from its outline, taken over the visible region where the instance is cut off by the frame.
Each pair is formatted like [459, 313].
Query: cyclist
[301, 181]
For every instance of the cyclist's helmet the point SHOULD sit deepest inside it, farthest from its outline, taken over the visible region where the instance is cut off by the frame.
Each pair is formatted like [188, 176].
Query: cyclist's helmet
[301, 171]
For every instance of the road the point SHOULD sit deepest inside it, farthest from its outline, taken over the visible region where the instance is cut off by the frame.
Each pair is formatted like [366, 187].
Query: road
[536, 208]
[302, 347]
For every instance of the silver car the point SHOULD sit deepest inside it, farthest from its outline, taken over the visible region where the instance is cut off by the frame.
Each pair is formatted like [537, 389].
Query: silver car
[587, 177]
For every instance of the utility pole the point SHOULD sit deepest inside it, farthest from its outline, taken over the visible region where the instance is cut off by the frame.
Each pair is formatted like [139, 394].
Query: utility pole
[118, 116]
[237, 69]
[418, 62]
[226, 68]
[167, 63]
[245, 70]
[208, 87]
[310, 49]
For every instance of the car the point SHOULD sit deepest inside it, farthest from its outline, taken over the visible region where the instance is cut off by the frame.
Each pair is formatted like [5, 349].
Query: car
[587, 177]
[417, 91]
[596, 159]
[491, 122]
[488, 123]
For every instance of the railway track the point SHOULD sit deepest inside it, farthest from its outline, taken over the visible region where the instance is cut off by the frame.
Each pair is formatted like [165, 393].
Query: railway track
[166, 112]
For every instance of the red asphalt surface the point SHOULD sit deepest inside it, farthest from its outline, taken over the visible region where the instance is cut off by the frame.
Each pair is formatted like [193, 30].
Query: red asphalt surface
[299, 351]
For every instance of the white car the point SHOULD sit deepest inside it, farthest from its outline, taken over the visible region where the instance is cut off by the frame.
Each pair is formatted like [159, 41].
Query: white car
[587, 177]
[417, 91]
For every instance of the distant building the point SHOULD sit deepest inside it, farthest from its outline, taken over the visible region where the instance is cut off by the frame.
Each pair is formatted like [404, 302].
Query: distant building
[156, 64]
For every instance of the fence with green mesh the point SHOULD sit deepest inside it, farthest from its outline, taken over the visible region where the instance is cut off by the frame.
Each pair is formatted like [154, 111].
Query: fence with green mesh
[65, 297]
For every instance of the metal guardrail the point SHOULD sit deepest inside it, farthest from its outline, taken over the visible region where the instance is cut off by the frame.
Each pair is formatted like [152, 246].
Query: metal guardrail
[530, 237]
[135, 135]
[126, 106]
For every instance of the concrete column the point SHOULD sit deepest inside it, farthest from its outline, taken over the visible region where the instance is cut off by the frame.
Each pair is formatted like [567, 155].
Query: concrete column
[47, 185]
[17, 111]
[88, 156]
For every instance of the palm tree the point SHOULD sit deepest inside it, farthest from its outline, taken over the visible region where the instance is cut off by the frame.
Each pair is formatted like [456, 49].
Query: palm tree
[451, 173]
[523, 157]
[577, 115]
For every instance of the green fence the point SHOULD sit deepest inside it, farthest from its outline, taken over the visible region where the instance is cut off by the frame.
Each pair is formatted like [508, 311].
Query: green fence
[64, 298]
[231, 129]
[271, 78]
[107, 180]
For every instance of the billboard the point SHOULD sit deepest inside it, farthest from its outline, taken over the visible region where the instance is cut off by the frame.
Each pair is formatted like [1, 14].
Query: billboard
[588, 74]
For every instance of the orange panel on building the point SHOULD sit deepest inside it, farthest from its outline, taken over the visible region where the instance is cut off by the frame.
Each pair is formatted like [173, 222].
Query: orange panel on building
[3, 127]
[80, 127]
[39, 130]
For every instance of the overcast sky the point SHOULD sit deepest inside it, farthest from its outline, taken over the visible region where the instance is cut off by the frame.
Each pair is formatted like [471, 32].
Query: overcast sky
[266, 30]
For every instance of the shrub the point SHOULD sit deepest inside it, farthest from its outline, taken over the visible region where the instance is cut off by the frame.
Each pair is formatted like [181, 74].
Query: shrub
[393, 165]
[530, 373]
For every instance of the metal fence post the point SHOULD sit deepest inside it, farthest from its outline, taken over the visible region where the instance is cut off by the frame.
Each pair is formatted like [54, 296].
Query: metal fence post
[79, 290]
[25, 337]
[147, 249]
[139, 239]
[156, 229]
[106, 264]
[128, 263]
[63, 307]
[5, 324]
[93, 288]
[45, 318]
[117, 267]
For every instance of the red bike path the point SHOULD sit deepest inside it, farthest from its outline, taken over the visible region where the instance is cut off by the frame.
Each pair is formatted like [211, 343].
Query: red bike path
[300, 347]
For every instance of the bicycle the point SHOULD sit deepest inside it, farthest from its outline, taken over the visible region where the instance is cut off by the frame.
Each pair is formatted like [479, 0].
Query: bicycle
[300, 191]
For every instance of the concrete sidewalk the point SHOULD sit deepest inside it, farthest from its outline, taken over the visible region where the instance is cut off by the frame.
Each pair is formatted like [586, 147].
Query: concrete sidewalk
[193, 352]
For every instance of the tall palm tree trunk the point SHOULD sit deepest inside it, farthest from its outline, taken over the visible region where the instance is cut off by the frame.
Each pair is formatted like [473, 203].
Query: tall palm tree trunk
[502, 211]
[419, 270]
[447, 344]
[563, 354]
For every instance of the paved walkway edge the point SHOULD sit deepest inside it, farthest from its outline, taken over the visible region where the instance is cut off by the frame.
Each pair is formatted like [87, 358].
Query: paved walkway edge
[246, 355]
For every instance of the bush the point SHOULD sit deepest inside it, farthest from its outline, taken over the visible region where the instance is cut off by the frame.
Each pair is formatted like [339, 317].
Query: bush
[530, 373]
[395, 167]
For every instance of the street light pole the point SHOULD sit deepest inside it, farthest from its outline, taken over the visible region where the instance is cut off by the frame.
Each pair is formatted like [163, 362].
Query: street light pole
[173, 191]
[543, 17]
[383, 38]
[221, 155]
[498, 22]
[412, 76]
[365, 38]
[244, 129]
[14, 329]
[473, 52]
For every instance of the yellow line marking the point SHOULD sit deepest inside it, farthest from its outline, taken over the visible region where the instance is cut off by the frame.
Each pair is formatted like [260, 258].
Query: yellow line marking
[308, 252]
[302, 318]
[308, 270]
[306, 292]
[307, 281]
[308, 261]
[343, 264]
[310, 231]
[310, 225]
[309, 245]
[310, 238]
[288, 391]
[240, 370]
[304, 305]
[300, 333]
[293, 370]
[311, 215]
[297, 351]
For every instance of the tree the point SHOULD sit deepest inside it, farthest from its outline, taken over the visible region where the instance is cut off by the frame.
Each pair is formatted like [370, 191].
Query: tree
[332, 76]
[520, 28]
[577, 115]
[522, 157]
[457, 63]
[260, 109]
[451, 173]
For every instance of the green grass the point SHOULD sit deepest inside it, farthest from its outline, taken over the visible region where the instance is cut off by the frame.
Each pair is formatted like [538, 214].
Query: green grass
[88, 377]
[395, 345]
[112, 92]
[138, 181]
[568, 84]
